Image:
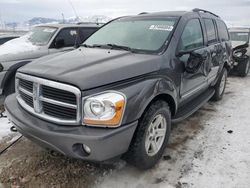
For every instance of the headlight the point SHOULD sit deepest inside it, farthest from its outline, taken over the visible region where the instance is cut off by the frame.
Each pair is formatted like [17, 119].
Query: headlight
[238, 54]
[105, 109]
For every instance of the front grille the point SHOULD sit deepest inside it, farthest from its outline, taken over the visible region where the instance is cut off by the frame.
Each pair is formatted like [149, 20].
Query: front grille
[58, 94]
[52, 101]
[26, 98]
[59, 111]
[25, 84]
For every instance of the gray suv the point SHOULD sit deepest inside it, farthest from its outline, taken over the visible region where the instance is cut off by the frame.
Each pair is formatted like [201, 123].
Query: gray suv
[124, 87]
[40, 41]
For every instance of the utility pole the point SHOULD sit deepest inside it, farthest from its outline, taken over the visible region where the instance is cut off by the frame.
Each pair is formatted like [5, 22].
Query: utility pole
[63, 19]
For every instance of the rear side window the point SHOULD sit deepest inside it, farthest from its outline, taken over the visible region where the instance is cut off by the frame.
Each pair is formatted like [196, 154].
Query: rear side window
[69, 35]
[222, 30]
[2, 41]
[85, 33]
[211, 32]
[192, 36]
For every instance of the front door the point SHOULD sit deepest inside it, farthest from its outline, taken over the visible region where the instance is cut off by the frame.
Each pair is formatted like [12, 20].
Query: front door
[191, 45]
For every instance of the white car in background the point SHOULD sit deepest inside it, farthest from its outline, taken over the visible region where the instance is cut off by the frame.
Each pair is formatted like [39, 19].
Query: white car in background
[42, 40]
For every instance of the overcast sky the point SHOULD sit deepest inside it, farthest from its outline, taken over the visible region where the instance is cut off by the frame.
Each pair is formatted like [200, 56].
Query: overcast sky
[236, 12]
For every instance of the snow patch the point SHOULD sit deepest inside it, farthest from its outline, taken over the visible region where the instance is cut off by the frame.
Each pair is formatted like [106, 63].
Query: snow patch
[4, 128]
[18, 45]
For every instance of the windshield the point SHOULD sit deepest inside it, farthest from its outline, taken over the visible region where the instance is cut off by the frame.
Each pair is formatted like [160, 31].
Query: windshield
[41, 35]
[239, 36]
[147, 35]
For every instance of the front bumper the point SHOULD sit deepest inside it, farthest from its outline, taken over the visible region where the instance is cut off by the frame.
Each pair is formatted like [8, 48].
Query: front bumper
[104, 143]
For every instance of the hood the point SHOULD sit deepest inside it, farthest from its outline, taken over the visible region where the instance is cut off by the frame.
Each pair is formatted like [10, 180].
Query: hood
[89, 68]
[237, 43]
[19, 49]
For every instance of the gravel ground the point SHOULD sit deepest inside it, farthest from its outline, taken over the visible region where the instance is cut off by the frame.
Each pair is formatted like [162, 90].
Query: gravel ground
[209, 149]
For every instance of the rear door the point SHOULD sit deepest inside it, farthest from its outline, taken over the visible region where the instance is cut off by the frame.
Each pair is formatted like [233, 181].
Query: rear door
[215, 49]
[225, 52]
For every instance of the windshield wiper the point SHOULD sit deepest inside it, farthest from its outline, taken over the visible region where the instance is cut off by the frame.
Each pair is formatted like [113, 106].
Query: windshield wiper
[112, 46]
[115, 46]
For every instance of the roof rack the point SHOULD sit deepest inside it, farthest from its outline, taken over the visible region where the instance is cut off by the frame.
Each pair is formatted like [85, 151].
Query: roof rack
[205, 11]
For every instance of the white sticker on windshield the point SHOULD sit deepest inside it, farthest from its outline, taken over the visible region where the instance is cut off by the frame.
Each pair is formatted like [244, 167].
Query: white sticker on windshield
[161, 27]
[49, 30]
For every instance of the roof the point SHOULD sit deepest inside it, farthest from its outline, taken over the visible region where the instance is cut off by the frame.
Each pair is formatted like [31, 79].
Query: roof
[202, 12]
[70, 25]
[165, 14]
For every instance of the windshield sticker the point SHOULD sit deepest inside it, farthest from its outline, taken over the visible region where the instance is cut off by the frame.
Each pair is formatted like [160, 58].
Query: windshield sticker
[161, 27]
[49, 30]
[73, 32]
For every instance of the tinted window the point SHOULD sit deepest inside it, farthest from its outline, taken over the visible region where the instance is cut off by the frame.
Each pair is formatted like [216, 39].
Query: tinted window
[69, 36]
[192, 36]
[222, 29]
[85, 33]
[211, 33]
[4, 40]
[148, 34]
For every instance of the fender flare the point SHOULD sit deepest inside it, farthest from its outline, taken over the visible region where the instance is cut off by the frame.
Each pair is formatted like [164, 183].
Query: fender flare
[11, 72]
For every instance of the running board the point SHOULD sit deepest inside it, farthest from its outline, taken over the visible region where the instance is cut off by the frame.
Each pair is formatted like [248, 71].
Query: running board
[191, 107]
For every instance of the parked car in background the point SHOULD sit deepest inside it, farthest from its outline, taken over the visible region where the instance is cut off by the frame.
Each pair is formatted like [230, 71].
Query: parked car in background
[241, 50]
[40, 41]
[118, 94]
[6, 38]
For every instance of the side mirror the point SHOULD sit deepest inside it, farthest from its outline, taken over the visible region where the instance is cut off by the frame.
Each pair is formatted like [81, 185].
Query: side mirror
[192, 62]
[59, 43]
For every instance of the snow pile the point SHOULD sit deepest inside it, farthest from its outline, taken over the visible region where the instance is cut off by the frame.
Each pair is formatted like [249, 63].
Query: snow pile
[18, 45]
[4, 127]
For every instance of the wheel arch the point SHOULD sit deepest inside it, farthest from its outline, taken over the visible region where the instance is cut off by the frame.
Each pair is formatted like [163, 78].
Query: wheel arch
[10, 73]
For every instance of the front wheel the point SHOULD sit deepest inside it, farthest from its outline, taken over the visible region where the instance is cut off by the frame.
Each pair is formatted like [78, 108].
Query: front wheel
[220, 85]
[151, 136]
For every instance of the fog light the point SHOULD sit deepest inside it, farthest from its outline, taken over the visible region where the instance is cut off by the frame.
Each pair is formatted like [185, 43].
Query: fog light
[86, 149]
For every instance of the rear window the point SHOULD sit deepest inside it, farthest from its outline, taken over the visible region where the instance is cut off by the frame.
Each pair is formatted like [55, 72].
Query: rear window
[211, 32]
[222, 30]
[239, 36]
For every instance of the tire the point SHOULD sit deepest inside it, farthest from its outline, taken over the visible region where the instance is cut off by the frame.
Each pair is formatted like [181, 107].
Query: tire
[10, 87]
[220, 86]
[243, 68]
[140, 156]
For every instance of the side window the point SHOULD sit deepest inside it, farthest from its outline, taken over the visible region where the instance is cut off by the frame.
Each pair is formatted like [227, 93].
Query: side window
[222, 30]
[85, 33]
[192, 36]
[69, 35]
[211, 32]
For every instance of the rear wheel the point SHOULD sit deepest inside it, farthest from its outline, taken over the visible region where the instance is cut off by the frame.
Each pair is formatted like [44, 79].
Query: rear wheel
[220, 86]
[243, 68]
[151, 136]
